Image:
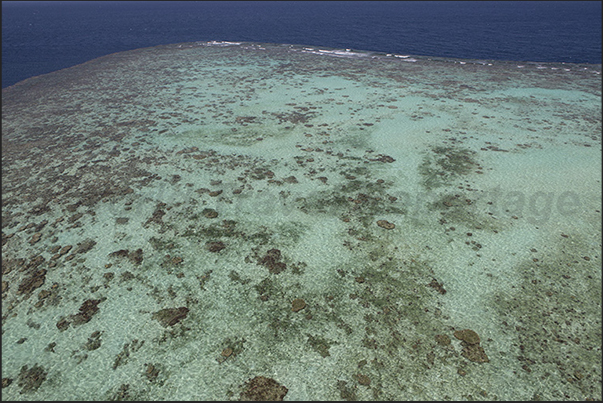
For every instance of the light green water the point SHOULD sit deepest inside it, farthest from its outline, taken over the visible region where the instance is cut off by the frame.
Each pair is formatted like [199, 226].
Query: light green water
[207, 157]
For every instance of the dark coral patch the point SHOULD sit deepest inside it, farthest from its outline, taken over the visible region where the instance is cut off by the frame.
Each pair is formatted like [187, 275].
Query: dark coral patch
[31, 379]
[88, 309]
[135, 257]
[215, 246]
[298, 304]
[271, 260]
[471, 346]
[261, 388]
[439, 287]
[468, 336]
[30, 283]
[170, 316]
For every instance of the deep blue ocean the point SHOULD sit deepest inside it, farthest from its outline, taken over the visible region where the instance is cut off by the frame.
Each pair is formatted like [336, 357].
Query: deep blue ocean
[41, 37]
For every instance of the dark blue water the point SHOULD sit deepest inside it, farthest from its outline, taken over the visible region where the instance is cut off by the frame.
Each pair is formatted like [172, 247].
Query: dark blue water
[38, 37]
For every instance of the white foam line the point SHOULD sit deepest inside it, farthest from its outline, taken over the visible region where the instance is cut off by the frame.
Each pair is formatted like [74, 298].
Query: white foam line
[345, 53]
[221, 43]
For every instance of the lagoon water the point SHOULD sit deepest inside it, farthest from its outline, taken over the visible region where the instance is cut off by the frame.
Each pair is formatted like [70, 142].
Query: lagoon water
[225, 220]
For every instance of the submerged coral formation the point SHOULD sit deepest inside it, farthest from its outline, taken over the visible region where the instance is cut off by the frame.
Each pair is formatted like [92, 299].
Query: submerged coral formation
[261, 388]
[216, 220]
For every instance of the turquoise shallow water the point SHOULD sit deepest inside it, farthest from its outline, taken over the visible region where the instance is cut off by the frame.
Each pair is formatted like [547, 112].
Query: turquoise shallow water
[214, 220]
